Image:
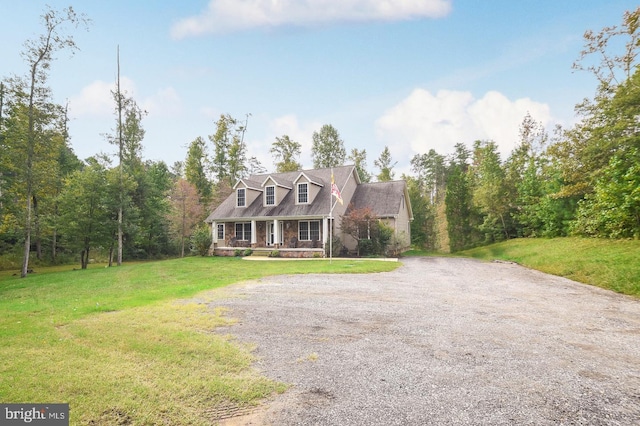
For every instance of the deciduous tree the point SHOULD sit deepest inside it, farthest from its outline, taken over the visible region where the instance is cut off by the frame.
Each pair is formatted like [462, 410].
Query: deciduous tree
[327, 148]
[39, 54]
[385, 164]
[286, 152]
[359, 158]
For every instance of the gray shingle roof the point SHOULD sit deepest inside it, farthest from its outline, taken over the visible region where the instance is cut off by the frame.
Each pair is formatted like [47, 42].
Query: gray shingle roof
[286, 207]
[384, 198]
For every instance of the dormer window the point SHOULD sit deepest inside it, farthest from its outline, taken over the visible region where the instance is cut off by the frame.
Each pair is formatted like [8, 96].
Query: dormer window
[270, 196]
[303, 193]
[241, 197]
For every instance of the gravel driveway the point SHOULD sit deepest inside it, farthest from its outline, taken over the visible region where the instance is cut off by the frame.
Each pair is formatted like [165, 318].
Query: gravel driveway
[441, 341]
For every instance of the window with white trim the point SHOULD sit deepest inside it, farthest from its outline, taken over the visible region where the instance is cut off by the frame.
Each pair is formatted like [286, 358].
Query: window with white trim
[241, 197]
[243, 231]
[220, 231]
[309, 230]
[303, 193]
[270, 196]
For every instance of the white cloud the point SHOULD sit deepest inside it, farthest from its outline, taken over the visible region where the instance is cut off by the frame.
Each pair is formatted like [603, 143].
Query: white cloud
[96, 99]
[164, 103]
[301, 133]
[424, 121]
[230, 15]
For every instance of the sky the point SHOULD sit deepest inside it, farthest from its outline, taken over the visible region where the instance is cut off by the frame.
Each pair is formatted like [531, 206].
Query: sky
[410, 75]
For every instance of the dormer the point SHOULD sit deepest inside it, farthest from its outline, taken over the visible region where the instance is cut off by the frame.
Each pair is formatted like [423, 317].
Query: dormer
[307, 187]
[246, 192]
[274, 190]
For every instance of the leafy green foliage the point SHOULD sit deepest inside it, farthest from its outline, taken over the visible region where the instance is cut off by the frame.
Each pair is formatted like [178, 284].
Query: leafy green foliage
[201, 240]
[195, 169]
[386, 164]
[286, 151]
[327, 148]
[359, 159]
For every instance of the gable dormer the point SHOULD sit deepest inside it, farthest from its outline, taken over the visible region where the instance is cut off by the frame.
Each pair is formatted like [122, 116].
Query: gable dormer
[307, 188]
[246, 192]
[274, 190]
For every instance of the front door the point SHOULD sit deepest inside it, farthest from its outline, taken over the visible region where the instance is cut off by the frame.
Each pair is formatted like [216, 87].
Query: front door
[271, 233]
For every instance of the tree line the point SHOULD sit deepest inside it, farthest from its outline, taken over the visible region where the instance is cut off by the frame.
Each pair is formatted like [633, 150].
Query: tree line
[583, 180]
[55, 207]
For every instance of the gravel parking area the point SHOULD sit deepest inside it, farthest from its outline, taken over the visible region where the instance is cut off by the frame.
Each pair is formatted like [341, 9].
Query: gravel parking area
[441, 341]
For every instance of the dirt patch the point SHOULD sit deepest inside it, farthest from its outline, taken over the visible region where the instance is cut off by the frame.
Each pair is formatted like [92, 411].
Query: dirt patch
[440, 341]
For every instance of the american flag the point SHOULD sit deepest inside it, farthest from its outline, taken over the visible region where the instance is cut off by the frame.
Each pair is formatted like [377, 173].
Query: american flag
[334, 189]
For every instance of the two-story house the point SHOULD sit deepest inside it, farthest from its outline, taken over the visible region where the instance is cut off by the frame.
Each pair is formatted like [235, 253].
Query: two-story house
[295, 212]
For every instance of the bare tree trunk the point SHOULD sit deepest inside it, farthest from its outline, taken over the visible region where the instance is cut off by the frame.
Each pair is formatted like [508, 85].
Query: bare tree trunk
[54, 244]
[504, 227]
[121, 190]
[36, 228]
[27, 240]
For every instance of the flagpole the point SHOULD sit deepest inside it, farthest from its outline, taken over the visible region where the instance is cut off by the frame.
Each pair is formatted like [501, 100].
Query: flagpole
[330, 224]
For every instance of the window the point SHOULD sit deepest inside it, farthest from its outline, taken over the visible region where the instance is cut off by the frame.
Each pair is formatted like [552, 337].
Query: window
[309, 230]
[270, 196]
[220, 231]
[243, 231]
[303, 193]
[241, 197]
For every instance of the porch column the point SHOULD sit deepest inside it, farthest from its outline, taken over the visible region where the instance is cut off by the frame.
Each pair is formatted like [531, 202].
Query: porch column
[276, 233]
[214, 232]
[254, 237]
[325, 231]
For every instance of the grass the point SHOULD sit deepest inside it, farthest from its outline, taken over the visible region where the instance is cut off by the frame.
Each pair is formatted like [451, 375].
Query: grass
[610, 264]
[126, 346]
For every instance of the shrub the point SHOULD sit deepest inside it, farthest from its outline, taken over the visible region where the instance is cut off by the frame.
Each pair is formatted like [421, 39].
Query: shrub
[335, 247]
[274, 253]
[366, 247]
[201, 240]
[237, 252]
[248, 252]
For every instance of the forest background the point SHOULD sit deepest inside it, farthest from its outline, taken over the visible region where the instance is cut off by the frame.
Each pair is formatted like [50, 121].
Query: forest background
[55, 208]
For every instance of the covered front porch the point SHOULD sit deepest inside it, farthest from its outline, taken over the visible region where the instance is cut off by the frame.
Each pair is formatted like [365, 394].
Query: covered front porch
[298, 238]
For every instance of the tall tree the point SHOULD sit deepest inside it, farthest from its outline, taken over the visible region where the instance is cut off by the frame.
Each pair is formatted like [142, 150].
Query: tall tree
[230, 152]
[128, 137]
[490, 193]
[286, 152]
[385, 164]
[459, 200]
[186, 211]
[85, 211]
[613, 208]
[612, 68]
[153, 237]
[195, 169]
[327, 148]
[39, 54]
[422, 225]
[430, 171]
[359, 158]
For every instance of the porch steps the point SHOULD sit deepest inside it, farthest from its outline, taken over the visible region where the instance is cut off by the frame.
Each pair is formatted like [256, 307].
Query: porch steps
[261, 252]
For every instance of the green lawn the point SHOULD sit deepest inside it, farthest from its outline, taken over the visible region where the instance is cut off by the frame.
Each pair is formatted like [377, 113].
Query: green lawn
[611, 264]
[122, 344]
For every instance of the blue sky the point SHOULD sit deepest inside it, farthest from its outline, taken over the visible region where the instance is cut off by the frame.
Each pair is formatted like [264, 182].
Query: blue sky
[408, 74]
